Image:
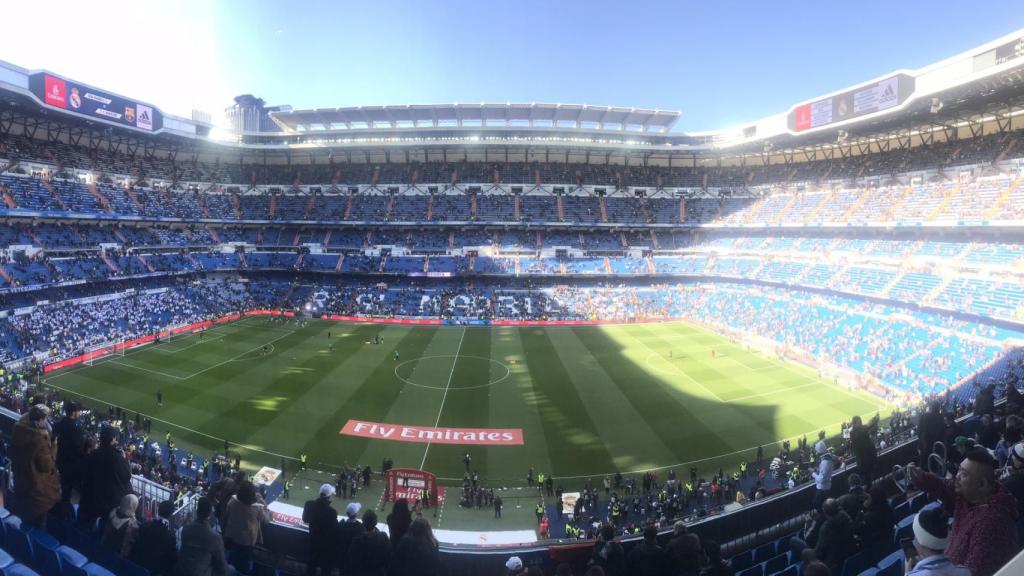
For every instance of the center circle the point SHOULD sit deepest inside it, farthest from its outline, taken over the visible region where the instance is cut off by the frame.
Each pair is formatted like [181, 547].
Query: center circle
[452, 358]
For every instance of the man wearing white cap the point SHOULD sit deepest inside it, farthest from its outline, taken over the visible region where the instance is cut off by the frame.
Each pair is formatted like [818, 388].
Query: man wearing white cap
[931, 534]
[322, 520]
[514, 566]
[348, 529]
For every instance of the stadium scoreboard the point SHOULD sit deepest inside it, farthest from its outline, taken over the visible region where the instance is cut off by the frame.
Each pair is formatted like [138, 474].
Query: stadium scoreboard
[876, 97]
[76, 98]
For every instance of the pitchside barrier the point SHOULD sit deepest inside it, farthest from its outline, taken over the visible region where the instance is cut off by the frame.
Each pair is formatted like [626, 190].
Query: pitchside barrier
[754, 524]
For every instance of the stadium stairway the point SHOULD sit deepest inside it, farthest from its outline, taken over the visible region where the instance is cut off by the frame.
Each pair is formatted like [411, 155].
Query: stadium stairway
[826, 199]
[993, 212]
[55, 195]
[99, 197]
[135, 199]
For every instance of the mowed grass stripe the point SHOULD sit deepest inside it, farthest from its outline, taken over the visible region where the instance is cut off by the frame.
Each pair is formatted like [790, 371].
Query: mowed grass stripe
[467, 404]
[572, 438]
[514, 404]
[374, 399]
[630, 440]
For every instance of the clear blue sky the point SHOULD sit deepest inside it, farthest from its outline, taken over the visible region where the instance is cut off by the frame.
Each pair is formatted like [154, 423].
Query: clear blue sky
[721, 63]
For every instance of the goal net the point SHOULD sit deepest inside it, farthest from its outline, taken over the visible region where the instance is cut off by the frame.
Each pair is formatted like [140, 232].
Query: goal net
[108, 350]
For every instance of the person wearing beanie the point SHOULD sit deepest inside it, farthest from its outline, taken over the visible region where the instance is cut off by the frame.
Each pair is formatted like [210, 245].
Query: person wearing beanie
[823, 476]
[322, 520]
[121, 527]
[36, 483]
[370, 553]
[982, 512]
[202, 549]
[931, 536]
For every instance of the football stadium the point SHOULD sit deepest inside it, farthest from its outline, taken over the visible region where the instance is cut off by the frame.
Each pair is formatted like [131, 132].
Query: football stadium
[515, 338]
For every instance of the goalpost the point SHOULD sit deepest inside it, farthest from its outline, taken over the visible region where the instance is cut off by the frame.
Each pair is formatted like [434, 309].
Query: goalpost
[108, 350]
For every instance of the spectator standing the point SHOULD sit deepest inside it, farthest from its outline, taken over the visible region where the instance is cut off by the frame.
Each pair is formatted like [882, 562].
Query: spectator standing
[243, 528]
[647, 558]
[121, 528]
[399, 521]
[370, 553]
[608, 554]
[156, 547]
[684, 551]
[417, 554]
[322, 520]
[347, 530]
[823, 476]
[106, 479]
[982, 537]
[862, 444]
[36, 486]
[202, 549]
[70, 439]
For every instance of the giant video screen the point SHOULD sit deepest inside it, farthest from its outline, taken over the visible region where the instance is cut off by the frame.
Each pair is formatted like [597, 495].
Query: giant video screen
[73, 97]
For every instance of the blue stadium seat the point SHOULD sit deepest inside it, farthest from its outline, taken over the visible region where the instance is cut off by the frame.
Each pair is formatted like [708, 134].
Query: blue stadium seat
[776, 563]
[757, 570]
[905, 528]
[918, 502]
[742, 561]
[763, 552]
[793, 570]
[10, 522]
[857, 563]
[42, 543]
[869, 572]
[92, 569]
[782, 544]
[5, 559]
[131, 569]
[260, 569]
[891, 565]
[17, 542]
[18, 570]
[903, 510]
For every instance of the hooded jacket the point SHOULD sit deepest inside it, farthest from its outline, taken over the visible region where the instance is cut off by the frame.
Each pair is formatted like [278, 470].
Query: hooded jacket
[36, 485]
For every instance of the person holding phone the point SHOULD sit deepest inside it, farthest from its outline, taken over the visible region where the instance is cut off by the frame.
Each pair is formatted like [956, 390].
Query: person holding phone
[925, 552]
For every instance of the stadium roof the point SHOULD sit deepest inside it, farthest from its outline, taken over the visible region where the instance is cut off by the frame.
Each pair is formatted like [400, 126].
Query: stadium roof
[484, 114]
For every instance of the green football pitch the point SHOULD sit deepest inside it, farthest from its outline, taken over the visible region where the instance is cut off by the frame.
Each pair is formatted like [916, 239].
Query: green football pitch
[590, 400]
